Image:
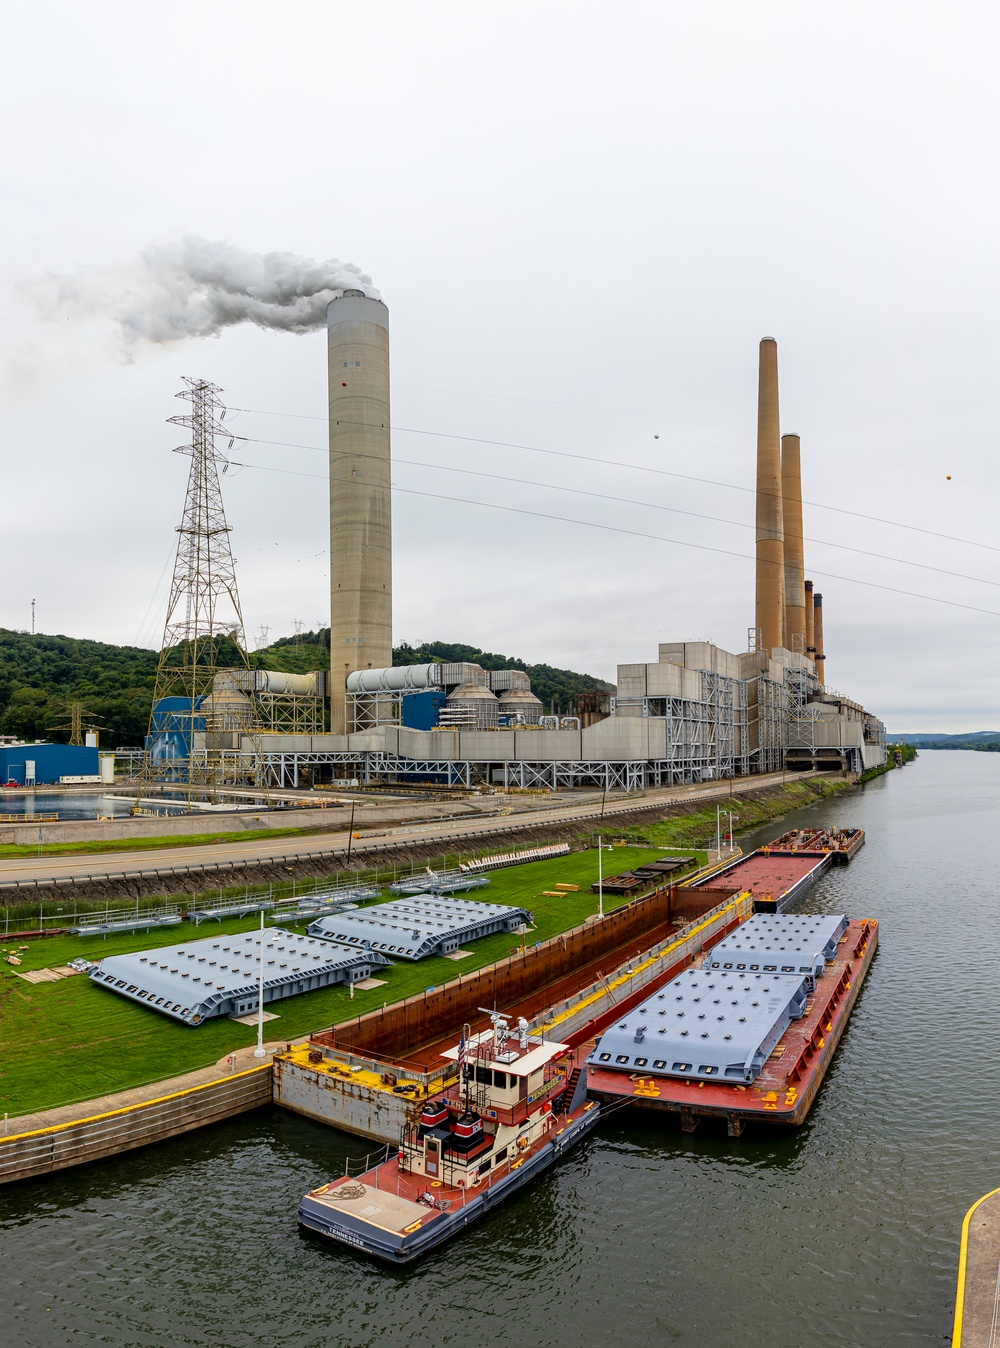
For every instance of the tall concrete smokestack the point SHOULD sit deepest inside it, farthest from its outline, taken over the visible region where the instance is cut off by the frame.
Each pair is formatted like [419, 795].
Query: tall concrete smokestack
[770, 547]
[810, 621]
[791, 516]
[360, 507]
[820, 657]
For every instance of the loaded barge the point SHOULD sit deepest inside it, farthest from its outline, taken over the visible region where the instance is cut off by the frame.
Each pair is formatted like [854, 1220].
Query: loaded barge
[750, 1035]
[514, 1109]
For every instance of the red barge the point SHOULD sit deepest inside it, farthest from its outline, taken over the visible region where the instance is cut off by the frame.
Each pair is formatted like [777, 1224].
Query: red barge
[783, 1087]
[784, 871]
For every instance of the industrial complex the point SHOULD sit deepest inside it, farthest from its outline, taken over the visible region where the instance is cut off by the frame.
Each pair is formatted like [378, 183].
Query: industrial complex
[695, 713]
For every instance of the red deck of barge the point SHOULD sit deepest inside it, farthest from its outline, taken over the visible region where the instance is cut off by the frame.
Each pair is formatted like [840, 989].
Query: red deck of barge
[785, 1090]
[769, 878]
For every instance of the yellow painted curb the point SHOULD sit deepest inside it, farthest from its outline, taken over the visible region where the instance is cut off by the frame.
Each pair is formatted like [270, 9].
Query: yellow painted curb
[130, 1109]
[956, 1338]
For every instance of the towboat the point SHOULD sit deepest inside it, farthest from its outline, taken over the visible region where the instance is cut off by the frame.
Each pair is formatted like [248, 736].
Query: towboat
[514, 1106]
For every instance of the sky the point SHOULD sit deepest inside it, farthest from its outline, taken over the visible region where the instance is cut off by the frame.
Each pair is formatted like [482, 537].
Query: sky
[582, 218]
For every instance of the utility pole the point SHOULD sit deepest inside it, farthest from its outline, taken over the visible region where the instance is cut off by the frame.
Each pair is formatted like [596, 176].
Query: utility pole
[600, 876]
[259, 1050]
[32, 617]
[350, 832]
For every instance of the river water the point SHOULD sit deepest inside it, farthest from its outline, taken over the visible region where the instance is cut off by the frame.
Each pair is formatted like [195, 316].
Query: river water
[844, 1232]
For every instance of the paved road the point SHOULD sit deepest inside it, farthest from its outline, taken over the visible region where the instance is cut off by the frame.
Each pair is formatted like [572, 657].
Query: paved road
[212, 857]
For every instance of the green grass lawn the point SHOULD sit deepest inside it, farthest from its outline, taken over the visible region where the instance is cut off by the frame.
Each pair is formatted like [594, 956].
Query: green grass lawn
[71, 1040]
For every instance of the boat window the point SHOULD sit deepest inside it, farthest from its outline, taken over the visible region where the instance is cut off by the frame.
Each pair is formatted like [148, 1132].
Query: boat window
[484, 1075]
[710, 1070]
[641, 1062]
[681, 1067]
[659, 1062]
[500, 1079]
[622, 1057]
[500, 1157]
[788, 968]
[605, 1057]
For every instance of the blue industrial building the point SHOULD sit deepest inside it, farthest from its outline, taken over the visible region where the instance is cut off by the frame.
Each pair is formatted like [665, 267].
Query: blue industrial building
[44, 764]
[174, 720]
[422, 711]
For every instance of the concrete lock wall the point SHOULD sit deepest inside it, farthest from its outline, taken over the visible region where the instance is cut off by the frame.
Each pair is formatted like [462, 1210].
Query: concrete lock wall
[24, 1155]
[397, 1030]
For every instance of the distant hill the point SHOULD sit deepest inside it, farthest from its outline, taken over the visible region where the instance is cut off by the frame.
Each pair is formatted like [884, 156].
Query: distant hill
[557, 688]
[971, 739]
[40, 674]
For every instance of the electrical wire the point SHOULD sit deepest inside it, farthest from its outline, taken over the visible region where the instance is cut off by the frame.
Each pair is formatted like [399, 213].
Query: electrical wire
[636, 467]
[649, 505]
[636, 533]
[648, 416]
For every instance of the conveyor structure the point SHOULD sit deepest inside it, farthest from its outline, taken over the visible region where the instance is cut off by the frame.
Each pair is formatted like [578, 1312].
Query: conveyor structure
[416, 927]
[705, 1027]
[779, 943]
[219, 976]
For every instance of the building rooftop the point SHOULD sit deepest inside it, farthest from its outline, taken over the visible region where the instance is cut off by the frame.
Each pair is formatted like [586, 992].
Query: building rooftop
[422, 925]
[779, 943]
[705, 1026]
[219, 976]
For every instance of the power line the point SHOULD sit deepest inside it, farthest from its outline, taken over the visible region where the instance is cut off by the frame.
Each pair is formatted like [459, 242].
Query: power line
[635, 467]
[649, 505]
[648, 416]
[636, 533]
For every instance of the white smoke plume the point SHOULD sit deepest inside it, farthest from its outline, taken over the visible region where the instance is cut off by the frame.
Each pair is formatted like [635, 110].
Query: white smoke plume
[198, 287]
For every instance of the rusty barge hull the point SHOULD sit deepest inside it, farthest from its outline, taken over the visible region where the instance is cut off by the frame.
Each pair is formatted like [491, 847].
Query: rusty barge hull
[787, 1087]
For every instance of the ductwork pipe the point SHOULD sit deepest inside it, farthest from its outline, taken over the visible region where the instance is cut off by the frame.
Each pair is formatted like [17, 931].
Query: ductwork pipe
[394, 679]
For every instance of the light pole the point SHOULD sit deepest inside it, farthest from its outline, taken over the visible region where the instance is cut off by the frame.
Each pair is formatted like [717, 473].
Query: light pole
[600, 876]
[350, 833]
[259, 1050]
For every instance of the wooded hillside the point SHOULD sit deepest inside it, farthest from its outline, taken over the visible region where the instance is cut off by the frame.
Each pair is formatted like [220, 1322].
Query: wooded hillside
[40, 675]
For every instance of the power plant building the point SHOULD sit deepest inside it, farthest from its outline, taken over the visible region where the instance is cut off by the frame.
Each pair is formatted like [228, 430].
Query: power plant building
[695, 713]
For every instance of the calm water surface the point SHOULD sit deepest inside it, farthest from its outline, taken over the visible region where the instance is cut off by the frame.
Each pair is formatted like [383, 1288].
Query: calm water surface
[70, 804]
[844, 1232]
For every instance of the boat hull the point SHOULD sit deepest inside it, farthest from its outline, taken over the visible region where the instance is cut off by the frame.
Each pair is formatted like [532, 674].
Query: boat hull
[362, 1237]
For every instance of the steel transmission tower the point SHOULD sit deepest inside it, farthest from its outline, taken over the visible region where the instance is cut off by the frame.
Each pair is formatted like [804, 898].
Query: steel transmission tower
[192, 736]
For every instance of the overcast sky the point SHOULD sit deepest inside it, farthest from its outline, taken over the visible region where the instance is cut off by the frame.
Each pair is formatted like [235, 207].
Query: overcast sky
[583, 218]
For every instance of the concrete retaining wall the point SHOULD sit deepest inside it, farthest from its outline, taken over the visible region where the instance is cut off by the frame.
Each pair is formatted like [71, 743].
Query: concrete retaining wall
[25, 1155]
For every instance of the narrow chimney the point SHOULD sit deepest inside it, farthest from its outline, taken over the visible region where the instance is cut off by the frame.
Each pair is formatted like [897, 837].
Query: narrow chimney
[770, 548]
[810, 622]
[791, 515]
[818, 638]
